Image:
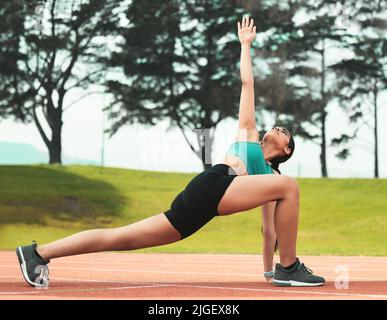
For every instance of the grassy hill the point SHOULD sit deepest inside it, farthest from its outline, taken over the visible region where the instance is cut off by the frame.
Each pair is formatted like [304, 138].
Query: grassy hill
[338, 216]
[25, 154]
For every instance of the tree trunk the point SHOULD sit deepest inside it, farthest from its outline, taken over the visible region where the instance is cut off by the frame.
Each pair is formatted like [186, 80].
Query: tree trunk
[54, 119]
[323, 158]
[376, 155]
[55, 148]
[324, 171]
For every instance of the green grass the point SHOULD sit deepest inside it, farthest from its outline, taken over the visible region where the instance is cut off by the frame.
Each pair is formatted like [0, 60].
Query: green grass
[338, 216]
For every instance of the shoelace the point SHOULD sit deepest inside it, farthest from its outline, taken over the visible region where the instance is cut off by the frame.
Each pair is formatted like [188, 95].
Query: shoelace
[305, 268]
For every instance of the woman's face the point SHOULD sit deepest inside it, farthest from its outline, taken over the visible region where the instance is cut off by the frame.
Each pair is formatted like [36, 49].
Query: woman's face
[279, 138]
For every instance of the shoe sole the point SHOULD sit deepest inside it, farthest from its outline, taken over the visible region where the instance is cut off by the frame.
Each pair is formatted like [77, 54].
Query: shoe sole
[292, 283]
[22, 262]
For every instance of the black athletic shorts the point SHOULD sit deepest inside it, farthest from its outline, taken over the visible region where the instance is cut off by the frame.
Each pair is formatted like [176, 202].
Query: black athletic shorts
[197, 204]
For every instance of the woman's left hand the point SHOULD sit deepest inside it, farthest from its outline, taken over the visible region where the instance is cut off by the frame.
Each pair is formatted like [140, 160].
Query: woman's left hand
[246, 30]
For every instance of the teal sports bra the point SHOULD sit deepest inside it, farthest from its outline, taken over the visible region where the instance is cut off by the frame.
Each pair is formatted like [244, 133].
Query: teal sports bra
[252, 156]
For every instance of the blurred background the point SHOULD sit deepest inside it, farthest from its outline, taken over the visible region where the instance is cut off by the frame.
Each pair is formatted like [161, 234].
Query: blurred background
[149, 73]
[146, 85]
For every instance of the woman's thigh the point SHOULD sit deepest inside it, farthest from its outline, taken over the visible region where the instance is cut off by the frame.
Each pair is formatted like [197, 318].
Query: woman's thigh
[248, 192]
[152, 231]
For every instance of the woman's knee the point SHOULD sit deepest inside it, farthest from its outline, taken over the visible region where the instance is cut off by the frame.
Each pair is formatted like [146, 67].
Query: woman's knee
[291, 186]
[269, 233]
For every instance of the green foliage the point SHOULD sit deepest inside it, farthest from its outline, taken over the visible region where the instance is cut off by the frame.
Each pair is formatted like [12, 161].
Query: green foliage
[362, 78]
[49, 48]
[180, 62]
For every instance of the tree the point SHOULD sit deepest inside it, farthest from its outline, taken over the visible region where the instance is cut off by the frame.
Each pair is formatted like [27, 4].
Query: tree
[279, 97]
[364, 76]
[304, 50]
[180, 60]
[57, 47]
[11, 26]
[274, 92]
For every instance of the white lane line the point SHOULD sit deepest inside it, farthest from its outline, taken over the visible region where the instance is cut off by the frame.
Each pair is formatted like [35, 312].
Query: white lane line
[255, 275]
[286, 291]
[78, 280]
[205, 287]
[171, 285]
[257, 278]
[37, 291]
[49, 291]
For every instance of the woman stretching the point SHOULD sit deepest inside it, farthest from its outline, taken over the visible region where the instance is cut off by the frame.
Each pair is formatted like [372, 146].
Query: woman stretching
[245, 179]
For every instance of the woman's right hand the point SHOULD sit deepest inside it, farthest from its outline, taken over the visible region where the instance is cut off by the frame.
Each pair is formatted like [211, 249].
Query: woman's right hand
[269, 279]
[246, 30]
[269, 276]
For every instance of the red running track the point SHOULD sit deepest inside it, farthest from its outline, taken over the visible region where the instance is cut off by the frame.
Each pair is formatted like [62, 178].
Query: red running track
[190, 276]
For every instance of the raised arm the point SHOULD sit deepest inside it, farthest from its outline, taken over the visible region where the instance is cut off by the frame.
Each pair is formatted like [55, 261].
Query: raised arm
[247, 126]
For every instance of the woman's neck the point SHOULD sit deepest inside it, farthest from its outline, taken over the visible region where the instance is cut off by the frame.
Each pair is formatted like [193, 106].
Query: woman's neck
[269, 153]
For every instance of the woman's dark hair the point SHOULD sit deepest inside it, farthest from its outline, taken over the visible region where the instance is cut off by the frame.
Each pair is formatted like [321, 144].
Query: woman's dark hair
[276, 161]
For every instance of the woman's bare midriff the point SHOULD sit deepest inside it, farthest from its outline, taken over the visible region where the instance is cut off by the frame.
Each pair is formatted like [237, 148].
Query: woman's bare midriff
[236, 163]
